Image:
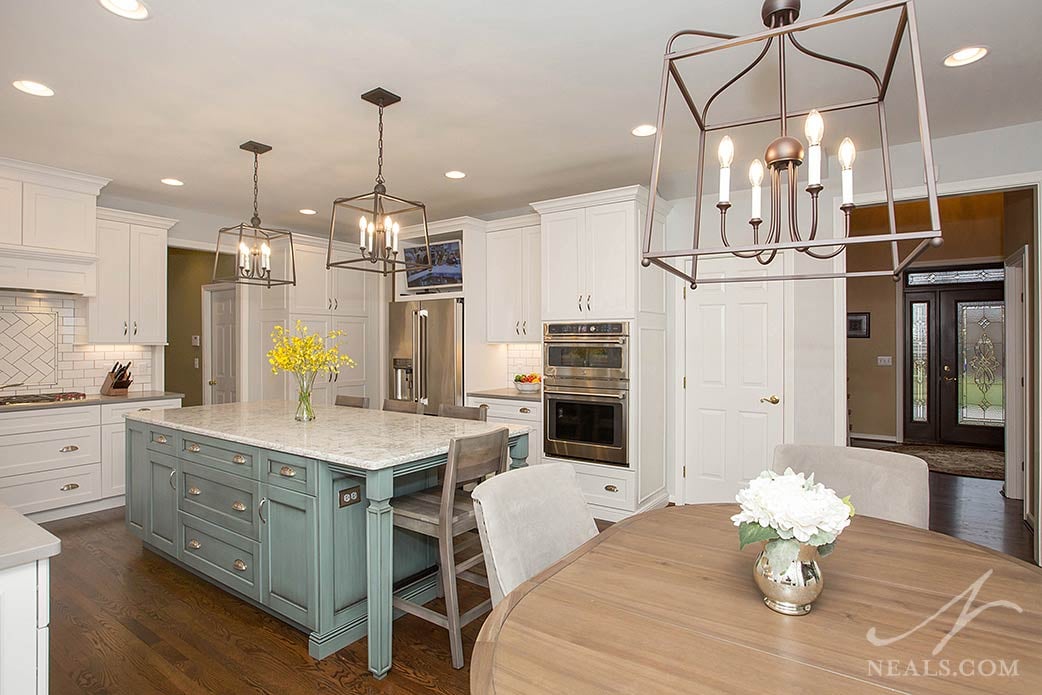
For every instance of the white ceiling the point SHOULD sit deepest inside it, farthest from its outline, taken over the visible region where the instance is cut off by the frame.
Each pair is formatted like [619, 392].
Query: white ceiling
[532, 99]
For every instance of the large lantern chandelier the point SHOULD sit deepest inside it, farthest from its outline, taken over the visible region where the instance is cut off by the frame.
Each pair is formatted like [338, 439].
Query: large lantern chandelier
[786, 157]
[379, 224]
[254, 245]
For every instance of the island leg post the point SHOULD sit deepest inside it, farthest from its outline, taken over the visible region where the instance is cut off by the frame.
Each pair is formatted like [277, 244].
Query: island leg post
[519, 452]
[379, 569]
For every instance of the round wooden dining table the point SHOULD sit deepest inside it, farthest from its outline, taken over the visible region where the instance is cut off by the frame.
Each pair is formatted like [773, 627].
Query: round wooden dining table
[664, 602]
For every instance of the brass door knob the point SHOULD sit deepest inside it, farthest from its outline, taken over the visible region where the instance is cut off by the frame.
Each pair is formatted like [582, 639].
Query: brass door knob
[773, 400]
[213, 382]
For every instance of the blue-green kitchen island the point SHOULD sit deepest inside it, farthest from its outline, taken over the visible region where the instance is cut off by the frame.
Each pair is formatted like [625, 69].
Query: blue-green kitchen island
[295, 517]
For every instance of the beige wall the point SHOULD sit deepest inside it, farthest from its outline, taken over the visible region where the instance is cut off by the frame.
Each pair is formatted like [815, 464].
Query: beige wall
[187, 272]
[973, 228]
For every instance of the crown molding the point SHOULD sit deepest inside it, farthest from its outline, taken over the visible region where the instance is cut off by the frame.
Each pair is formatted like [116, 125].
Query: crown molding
[28, 172]
[624, 194]
[113, 215]
[529, 220]
[455, 224]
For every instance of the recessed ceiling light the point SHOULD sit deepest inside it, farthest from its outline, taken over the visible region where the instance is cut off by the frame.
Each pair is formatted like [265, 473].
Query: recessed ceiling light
[965, 56]
[454, 174]
[172, 182]
[307, 211]
[643, 131]
[131, 9]
[34, 88]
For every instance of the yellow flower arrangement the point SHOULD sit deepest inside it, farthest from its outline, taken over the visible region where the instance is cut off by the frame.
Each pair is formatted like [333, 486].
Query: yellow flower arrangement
[304, 355]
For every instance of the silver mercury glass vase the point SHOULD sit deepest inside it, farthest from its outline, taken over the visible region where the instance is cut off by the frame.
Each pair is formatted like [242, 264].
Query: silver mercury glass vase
[793, 590]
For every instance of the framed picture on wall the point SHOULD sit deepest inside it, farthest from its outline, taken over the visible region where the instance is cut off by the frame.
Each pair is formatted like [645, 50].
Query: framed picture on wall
[859, 325]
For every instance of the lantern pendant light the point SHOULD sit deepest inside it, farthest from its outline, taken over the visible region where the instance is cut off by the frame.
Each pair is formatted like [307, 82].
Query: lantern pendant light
[374, 234]
[255, 246]
[786, 157]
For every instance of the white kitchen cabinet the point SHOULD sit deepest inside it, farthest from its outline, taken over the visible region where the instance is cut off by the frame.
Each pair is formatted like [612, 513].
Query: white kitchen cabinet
[24, 627]
[320, 291]
[130, 306]
[54, 218]
[508, 411]
[611, 268]
[10, 211]
[113, 456]
[564, 267]
[512, 275]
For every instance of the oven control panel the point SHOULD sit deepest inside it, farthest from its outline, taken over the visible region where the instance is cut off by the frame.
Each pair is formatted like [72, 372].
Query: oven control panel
[586, 329]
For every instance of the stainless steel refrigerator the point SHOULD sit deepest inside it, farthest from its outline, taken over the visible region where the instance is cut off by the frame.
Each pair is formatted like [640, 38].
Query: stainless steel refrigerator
[426, 344]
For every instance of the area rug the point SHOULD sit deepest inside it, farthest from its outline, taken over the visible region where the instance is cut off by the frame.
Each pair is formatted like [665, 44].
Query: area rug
[958, 460]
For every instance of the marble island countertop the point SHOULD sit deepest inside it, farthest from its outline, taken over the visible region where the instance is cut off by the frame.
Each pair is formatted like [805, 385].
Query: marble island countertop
[22, 541]
[355, 437]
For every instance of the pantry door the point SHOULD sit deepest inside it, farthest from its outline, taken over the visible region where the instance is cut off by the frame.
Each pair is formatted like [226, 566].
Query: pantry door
[734, 400]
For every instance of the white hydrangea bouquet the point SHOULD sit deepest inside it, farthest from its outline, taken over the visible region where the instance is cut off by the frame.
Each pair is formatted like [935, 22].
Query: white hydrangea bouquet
[788, 510]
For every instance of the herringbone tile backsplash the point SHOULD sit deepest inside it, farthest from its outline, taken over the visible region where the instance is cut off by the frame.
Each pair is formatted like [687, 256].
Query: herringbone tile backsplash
[43, 344]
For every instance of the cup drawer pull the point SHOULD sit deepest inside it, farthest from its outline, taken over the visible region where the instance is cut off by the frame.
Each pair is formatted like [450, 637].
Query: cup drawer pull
[524, 410]
[194, 448]
[160, 439]
[239, 566]
[611, 488]
[238, 506]
[68, 448]
[239, 458]
[69, 486]
[143, 410]
[288, 471]
[194, 544]
[194, 491]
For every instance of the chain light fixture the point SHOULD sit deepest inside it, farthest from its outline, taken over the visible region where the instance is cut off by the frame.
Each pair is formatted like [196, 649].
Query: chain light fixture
[253, 244]
[379, 225]
[785, 157]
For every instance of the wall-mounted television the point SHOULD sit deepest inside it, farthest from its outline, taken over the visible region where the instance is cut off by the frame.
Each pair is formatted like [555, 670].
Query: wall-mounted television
[446, 269]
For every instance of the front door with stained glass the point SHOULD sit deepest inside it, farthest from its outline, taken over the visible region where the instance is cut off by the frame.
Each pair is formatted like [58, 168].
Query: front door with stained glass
[954, 364]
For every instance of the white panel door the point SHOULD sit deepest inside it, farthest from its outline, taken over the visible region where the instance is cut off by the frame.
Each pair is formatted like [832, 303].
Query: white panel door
[113, 460]
[57, 219]
[734, 365]
[504, 260]
[611, 260]
[563, 283]
[531, 330]
[223, 345]
[10, 211]
[311, 294]
[110, 309]
[147, 285]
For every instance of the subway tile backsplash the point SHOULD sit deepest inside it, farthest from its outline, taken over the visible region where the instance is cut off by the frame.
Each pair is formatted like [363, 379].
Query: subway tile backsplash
[79, 366]
[524, 358]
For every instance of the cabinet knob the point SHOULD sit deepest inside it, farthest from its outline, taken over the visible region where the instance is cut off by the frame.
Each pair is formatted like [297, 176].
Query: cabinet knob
[194, 544]
[194, 448]
[160, 439]
[611, 488]
[194, 491]
[69, 486]
[239, 566]
[238, 506]
[288, 471]
[68, 448]
[239, 458]
[524, 410]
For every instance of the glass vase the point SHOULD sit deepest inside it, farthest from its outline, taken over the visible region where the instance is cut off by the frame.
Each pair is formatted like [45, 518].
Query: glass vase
[305, 411]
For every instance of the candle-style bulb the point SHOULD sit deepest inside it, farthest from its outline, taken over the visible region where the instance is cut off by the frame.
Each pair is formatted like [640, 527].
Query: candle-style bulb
[363, 224]
[726, 152]
[387, 223]
[814, 128]
[756, 172]
[847, 154]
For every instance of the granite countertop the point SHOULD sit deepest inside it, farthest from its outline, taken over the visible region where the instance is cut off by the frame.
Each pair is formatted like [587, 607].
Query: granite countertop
[509, 393]
[23, 541]
[95, 399]
[355, 437]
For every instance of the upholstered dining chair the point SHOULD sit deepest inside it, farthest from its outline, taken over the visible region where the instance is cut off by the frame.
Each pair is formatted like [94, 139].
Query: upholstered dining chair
[883, 484]
[353, 401]
[445, 514]
[395, 406]
[528, 519]
[463, 412]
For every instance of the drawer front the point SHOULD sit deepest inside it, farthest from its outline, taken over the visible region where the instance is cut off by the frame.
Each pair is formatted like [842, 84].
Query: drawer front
[44, 451]
[113, 413]
[58, 418]
[289, 471]
[220, 555]
[226, 456]
[35, 492]
[509, 410]
[161, 439]
[223, 499]
[616, 491]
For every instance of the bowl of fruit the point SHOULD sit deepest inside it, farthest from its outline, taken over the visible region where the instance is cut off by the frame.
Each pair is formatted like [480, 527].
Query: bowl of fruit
[527, 383]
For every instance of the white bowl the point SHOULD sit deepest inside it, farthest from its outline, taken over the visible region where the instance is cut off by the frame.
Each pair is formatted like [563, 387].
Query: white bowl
[527, 387]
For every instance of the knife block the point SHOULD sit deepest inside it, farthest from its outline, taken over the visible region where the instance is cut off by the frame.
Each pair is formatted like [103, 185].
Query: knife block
[109, 387]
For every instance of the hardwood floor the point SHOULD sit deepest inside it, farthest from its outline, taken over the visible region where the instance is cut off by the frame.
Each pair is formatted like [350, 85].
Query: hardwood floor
[975, 510]
[125, 621]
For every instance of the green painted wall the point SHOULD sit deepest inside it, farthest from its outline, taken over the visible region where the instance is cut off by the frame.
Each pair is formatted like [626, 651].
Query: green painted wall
[187, 272]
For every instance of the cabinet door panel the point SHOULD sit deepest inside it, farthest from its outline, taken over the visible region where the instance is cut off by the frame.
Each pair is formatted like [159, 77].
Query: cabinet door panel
[322, 393]
[18, 629]
[288, 543]
[113, 460]
[504, 286]
[110, 309]
[147, 285]
[349, 290]
[531, 330]
[610, 249]
[56, 219]
[10, 211]
[162, 515]
[311, 294]
[137, 486]
[563, 282]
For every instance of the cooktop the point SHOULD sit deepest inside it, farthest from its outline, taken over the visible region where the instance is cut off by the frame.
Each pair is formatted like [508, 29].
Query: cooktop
[27, 398]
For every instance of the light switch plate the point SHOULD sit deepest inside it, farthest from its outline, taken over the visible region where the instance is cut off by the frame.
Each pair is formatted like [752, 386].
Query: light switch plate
[196, 342]
[884, 361]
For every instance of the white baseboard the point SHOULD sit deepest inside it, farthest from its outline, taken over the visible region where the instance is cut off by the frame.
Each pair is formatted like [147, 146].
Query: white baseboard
[76, 509]
[875, 437]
